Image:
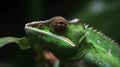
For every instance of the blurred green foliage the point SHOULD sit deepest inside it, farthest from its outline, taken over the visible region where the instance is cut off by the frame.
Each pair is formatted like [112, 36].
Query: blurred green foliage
[103, 15]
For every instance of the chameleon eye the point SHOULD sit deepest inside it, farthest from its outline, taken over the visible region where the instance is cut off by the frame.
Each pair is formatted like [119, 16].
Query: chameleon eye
[41, 26]
[59, 24]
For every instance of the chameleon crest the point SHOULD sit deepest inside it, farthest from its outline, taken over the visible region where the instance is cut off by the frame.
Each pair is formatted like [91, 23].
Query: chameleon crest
[73, 41]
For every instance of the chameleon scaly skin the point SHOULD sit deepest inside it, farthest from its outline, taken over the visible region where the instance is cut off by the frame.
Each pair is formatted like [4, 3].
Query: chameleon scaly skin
[72, 41]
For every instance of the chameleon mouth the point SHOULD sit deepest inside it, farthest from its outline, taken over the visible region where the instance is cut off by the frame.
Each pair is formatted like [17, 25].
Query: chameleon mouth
[29, 27]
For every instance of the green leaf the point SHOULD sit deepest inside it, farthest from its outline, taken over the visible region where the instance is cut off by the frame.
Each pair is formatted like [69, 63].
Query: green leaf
[23, 43]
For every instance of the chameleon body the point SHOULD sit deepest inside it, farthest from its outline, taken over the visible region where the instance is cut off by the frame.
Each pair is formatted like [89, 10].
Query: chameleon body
[74, 43]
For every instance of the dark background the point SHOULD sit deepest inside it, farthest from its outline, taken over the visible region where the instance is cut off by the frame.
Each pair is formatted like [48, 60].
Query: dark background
[104, 15]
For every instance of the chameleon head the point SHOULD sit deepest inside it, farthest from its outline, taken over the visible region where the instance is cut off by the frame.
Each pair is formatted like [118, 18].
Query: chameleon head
[57, 35]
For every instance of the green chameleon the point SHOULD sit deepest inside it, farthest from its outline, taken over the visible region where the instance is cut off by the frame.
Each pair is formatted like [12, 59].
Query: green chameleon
[74, 43]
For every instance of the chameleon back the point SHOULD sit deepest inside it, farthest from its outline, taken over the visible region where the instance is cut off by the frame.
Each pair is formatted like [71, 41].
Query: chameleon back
[104, 48]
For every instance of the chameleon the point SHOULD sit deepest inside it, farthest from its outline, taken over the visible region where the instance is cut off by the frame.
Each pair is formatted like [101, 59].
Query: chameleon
[74, 43]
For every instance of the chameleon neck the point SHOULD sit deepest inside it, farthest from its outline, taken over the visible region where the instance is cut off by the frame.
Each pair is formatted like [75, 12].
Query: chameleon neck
[81, 63]
[80, 56]
[71, 64]
[76, 53]
[88, 60]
